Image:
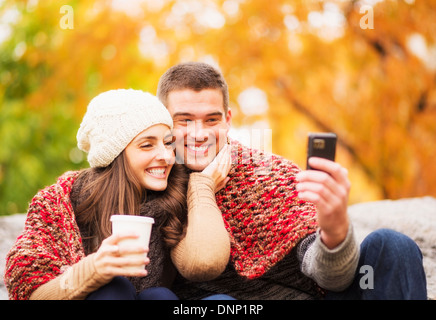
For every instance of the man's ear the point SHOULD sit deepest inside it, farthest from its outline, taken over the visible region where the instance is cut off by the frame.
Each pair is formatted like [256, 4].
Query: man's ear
[229, 118]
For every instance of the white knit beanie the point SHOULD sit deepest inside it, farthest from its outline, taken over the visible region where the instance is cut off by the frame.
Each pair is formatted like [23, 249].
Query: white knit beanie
[114, 118]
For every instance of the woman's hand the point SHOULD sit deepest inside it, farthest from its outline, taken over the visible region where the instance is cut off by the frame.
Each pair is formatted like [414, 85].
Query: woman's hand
[219, 168]
[110, 262]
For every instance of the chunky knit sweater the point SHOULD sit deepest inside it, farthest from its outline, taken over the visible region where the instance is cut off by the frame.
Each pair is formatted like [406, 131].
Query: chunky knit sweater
[48, 260]
[276, 252]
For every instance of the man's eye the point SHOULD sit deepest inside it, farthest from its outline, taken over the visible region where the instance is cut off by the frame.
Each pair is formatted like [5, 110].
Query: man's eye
[183, 122]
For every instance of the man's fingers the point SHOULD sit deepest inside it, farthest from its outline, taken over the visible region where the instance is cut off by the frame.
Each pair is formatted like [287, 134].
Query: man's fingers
[334, 169]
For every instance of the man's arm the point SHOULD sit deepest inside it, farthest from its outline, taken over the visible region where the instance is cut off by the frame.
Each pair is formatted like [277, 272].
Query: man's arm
[332, 256]
[328, 188]
[332, 269]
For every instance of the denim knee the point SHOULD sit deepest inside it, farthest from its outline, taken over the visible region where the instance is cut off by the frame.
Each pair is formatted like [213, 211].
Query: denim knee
[219, 297]
[157, 293]
[393, 242]
[396, 261]
[120, 288]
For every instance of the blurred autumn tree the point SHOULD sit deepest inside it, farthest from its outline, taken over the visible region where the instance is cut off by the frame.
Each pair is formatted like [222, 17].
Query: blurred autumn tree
[363, 69]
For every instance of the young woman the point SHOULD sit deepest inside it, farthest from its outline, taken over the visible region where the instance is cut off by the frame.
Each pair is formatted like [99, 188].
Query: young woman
[66, 250]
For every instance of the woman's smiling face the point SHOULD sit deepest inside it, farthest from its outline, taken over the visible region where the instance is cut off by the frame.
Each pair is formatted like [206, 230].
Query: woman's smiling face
[150, 155]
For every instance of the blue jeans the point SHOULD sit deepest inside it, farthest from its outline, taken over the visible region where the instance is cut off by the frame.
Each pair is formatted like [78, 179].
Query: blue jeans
[120, 288]
[390, 268]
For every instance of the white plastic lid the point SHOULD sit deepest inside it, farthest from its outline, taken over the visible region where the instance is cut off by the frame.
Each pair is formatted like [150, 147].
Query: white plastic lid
[128, 217]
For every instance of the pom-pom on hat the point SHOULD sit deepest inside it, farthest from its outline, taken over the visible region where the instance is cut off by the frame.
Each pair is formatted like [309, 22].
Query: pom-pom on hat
[114, 118]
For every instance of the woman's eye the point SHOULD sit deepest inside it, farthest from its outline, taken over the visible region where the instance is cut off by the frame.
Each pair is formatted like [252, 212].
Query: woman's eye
[170, 142]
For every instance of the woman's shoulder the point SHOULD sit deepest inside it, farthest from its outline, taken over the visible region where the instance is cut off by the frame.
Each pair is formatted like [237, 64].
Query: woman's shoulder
[68, 177]
[56, 193]
[63, 183]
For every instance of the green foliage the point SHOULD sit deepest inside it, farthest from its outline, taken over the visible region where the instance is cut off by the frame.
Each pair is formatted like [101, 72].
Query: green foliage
[32, 153]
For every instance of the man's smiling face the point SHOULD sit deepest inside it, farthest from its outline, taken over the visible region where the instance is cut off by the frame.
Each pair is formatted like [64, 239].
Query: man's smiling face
[200, 125]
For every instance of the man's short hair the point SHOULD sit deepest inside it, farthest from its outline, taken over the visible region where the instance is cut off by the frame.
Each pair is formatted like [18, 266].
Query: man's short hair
[195, 76]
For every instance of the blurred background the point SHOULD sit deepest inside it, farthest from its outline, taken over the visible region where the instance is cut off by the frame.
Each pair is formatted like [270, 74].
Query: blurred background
[365, 70]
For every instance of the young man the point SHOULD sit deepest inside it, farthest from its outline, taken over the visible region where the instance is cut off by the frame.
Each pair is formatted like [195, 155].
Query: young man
[290, 233]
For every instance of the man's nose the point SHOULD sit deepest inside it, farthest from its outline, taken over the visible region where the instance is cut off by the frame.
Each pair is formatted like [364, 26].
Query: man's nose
[197, 131]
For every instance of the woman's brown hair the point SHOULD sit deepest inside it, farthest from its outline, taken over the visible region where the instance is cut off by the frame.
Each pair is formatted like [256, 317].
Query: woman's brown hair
[115, 190]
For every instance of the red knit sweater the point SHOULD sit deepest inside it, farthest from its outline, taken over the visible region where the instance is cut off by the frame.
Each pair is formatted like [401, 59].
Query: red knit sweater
[262, 212]
[51, 240]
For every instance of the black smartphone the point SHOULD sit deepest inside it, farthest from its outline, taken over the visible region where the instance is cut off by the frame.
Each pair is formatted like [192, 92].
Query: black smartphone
[321, 145]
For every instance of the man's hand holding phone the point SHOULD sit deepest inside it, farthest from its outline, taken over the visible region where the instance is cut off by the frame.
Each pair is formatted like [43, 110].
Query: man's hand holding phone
[328, 187]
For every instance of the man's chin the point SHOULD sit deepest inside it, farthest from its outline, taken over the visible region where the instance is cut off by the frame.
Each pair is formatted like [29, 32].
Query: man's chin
[197, 164]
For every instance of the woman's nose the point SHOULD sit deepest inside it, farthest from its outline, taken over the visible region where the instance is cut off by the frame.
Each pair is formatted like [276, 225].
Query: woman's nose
[165, 153]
